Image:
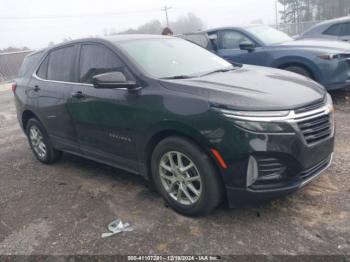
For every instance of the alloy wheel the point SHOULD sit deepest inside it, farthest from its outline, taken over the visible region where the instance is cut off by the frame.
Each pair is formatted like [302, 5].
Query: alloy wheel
[180, 177]
[37, 141]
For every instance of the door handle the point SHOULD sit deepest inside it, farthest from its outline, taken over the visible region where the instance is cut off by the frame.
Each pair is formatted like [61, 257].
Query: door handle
[78, 94]
[36, 88]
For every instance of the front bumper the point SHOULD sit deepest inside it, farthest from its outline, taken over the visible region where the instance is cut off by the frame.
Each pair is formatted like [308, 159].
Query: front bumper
[261, 166]
[336, 86]
[247, 196]
[335, 74]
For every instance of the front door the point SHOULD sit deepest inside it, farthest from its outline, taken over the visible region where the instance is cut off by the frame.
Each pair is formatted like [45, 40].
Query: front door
[228, 48]
[102, 116]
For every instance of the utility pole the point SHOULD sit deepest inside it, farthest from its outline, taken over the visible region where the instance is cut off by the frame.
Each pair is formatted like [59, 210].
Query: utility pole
[165, 9]
[276, 9]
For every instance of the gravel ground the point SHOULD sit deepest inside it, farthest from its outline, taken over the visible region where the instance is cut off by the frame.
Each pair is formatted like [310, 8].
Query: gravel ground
[64, 208]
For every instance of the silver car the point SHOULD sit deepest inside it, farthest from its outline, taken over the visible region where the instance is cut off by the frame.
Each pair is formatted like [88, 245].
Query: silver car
[335, 29]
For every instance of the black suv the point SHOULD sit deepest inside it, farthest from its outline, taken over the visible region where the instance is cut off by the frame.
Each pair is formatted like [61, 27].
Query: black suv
[200, 129]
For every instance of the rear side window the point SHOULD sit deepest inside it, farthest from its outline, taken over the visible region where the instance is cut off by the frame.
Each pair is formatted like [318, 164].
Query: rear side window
[345, 30]
[28, 64]
[60, 65]
[97, 59]
[198, 39]
[333, 30]
[42, 71]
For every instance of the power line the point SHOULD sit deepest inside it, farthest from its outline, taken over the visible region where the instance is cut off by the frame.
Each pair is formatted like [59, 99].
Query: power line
[165, 9]
[75, 15]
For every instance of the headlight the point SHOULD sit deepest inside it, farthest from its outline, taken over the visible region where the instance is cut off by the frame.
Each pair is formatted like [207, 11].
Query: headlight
[284, 121]
[260, 121]
[256, 113]
[331, 110]
[270, 127]
[264, 116]
[333, 56]
[329, 102]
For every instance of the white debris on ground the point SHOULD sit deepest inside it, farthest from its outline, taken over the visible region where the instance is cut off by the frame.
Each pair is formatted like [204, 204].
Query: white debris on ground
[117, 226]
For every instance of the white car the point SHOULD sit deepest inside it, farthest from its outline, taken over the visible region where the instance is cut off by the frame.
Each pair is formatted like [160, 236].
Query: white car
[335, 29]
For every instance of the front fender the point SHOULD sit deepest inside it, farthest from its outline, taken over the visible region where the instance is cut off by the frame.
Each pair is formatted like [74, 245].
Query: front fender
[297, 60]
[169, 127]
[166, 128]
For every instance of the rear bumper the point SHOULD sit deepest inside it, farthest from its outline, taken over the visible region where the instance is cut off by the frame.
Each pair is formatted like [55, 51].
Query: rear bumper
[247, 196]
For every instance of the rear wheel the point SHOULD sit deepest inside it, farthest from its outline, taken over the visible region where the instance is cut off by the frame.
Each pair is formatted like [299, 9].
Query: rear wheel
[299, 70]
[40, 143]
[185, 177]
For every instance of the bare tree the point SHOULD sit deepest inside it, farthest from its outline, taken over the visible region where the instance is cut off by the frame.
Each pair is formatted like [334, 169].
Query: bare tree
[13, 49]
[306, 10]
[188, 23]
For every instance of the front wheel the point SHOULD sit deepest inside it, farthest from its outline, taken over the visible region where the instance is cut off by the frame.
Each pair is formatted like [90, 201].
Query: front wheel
[185, 177]
[299, 70]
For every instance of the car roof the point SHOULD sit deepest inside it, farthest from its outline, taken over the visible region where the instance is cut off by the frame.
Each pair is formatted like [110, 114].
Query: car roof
[335, 21]
[126, 37]
[112, 39]
[234, 27]
[320, 27]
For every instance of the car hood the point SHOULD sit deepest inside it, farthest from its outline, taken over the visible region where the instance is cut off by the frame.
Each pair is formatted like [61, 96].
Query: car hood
[251, 88]
[319, 43]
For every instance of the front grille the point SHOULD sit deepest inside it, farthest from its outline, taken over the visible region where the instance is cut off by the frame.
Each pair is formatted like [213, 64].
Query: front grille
[316, 128]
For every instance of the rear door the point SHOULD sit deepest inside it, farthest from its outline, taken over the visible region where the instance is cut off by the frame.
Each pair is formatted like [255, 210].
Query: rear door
[201, 39]
[52, 84]
[102, 116]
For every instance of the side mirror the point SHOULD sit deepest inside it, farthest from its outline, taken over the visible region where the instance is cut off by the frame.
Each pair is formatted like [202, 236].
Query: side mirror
[248, 46]
[113, 80]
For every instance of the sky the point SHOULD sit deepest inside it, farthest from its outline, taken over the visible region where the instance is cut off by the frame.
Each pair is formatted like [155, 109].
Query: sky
[36, 23]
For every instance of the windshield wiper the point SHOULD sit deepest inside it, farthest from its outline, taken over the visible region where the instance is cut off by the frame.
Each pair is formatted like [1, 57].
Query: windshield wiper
[222, 70]
[178, 77]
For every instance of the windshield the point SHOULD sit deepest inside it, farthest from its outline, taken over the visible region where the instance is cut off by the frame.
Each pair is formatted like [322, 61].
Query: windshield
[268, 35]
[172, 57]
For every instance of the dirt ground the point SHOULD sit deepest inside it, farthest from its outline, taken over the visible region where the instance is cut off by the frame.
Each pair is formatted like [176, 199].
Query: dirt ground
[64, 208]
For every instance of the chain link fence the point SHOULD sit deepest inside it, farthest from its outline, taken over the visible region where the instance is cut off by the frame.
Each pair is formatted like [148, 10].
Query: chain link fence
[294, 29]
[10, 64]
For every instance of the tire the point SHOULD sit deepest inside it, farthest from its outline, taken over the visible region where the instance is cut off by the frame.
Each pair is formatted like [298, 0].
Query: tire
[299, 70]
[41, 144]
[170, 181]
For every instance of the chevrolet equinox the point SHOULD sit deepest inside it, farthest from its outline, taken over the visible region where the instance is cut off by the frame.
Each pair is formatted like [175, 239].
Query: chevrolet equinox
[200, 129]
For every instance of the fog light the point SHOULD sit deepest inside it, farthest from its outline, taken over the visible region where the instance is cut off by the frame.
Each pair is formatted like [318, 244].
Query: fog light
[252, 171]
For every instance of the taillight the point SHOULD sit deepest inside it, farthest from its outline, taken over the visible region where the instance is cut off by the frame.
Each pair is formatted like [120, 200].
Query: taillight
[14, 86]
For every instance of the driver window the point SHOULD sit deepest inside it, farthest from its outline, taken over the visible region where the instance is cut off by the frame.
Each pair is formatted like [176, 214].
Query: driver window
[97, 59]
[232, 39]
